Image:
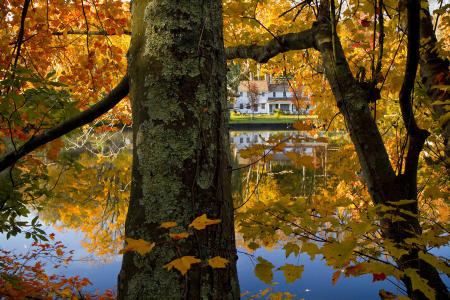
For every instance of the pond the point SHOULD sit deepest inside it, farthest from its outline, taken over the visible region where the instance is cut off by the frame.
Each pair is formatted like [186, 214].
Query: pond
[88, 212]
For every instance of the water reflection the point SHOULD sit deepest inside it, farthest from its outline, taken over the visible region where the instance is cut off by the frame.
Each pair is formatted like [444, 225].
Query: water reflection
[270, 167]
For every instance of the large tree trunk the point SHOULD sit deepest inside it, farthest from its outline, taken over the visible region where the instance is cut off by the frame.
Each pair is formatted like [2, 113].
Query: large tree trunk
[181, 164]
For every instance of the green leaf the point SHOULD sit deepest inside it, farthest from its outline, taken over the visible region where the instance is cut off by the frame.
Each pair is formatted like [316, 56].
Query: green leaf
[263, 270]
[291, 248]
[310, 248]
[402, 202]
[291, 272]
[418, 283]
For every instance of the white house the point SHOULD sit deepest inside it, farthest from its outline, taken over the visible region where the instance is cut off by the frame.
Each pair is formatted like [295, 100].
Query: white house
[264, 97]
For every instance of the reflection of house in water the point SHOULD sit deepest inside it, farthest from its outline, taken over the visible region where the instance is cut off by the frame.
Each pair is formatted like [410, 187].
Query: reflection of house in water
[302, 145]
[303, 152]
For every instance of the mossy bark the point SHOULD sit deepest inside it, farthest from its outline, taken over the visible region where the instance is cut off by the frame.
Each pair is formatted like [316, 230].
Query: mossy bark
[181, 166]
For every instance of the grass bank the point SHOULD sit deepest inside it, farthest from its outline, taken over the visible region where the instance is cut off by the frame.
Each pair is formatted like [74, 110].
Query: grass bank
[267, 119]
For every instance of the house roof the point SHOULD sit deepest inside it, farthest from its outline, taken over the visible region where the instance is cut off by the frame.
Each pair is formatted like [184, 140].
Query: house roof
[260, 84]
[286, 100]
[279, 87]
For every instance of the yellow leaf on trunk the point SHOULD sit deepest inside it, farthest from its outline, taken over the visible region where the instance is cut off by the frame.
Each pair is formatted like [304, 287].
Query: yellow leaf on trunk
[141, 246]
[182, 264]
[201, 222]
[218, 262]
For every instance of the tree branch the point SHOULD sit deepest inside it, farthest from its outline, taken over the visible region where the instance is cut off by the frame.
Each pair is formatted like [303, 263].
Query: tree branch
[98, 32]
[21, 31]
[89, 115]
[291, 41]
[417, 135]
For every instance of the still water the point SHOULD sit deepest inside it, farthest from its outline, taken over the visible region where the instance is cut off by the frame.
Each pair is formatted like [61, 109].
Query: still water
[315, 282]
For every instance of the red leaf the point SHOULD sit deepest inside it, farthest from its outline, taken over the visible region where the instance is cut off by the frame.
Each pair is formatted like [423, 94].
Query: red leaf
[378, 277]
[365, 22]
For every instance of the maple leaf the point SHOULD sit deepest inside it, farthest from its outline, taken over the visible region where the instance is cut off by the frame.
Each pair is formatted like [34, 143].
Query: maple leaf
[291, 248]
[168, 224]
[218, 262]
[353, 270]
[365, 22]
[291, 272]
[59, 252]
[263, 270]
[141, 246]
[177, 236]
[182, 264]
[378, 277]
[55, 147]
[419, 283]
[336, 276]
[201, 222]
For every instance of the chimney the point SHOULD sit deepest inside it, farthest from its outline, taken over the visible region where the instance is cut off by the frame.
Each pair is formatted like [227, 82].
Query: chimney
[267, 78]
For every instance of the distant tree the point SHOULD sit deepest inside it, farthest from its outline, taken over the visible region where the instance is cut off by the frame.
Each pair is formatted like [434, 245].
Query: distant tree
[253, 95]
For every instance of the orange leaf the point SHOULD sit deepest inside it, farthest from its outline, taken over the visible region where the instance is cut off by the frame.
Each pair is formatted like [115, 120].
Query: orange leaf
[168, 224]
[177, 236]
[55, 147]
[336, 276]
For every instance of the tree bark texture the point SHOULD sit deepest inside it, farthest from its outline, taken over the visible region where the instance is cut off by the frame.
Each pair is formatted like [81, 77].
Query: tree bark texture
[181, 166]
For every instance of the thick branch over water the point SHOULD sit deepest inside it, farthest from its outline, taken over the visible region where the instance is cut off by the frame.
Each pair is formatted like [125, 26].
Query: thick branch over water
[87, 116]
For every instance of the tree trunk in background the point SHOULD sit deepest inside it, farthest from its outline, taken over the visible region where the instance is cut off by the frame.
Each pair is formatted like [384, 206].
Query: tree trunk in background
[181, 166]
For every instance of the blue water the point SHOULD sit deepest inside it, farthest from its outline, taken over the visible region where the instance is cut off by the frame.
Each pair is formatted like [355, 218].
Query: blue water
[314, 284]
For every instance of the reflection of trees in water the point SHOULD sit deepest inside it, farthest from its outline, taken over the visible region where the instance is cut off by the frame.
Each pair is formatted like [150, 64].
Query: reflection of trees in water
[93, 199]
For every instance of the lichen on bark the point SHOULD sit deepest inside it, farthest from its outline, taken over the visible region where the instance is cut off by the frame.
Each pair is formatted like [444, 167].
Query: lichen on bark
[181, 152]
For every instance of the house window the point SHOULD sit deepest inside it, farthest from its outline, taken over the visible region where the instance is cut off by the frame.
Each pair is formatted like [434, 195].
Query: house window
[263, 94]
[284, 107]
[276, 106]
[263, 106]
[274, 94]
[241, 106]
[241, 140]
[241, 93]
[248, 140]
[256, 107]
[284, 94]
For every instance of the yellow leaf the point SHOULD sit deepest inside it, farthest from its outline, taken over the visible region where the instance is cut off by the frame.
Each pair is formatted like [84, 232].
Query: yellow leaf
[182, 264]
[140, 246]
[218, 262]
[291, 272]
[201, 222]
[59, 252]
[177, 236]
[168, 224]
